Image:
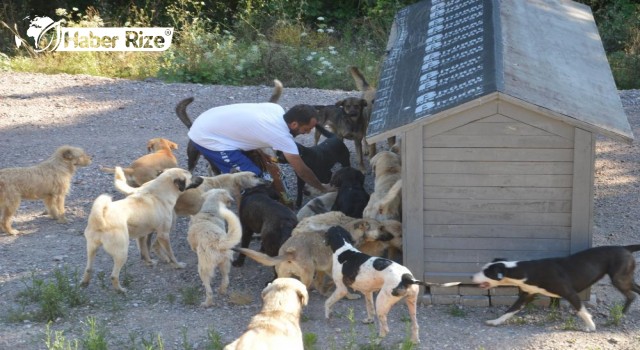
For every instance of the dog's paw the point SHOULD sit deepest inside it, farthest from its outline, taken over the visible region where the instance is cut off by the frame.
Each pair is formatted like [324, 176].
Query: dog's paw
[353, 296]
[494, 323]
[367, 320]
[62, 220]
[590, 329]
[179, 265]
[207, 303]
[13, 232]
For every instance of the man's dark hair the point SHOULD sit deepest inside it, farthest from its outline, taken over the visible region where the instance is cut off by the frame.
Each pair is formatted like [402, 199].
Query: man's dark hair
[301, 114]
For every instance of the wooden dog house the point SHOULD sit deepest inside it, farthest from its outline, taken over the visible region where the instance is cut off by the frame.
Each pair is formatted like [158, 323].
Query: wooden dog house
[497, 104]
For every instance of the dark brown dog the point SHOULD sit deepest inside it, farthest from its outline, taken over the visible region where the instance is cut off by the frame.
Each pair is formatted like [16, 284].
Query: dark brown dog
[261, 212]
[369, 95]
[352, 198]
[345, 119]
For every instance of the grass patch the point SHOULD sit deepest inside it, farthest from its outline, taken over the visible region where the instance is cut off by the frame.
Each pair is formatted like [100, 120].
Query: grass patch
[615, 314]
[45, 301]
[190, 295]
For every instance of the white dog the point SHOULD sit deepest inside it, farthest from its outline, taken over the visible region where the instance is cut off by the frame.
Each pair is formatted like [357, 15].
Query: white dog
[209, 239]
[149, 208]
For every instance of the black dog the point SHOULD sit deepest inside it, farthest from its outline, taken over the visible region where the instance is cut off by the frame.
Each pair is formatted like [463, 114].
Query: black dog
[352, 198]
[260, 211]
[321, 158]
[563, 278]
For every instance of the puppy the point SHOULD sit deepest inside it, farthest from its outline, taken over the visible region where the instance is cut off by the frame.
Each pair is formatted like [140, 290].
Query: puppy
[563, 278]
[367, 274]
[386, 200]
[148, 209]
[208, 237]
[277, 326]
[192, 153]
[190, 201]
[49, 181]
[261, 212]
[149, 166]
[320, 159]
[306, 255]
[317, 205]
[352, 198]
[345, 119]
[368, 94]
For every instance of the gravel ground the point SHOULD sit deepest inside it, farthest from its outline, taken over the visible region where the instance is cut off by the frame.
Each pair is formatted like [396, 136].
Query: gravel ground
[112, 119]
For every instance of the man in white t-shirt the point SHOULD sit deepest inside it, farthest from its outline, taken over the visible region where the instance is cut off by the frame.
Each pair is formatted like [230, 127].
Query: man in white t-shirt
[222, 133]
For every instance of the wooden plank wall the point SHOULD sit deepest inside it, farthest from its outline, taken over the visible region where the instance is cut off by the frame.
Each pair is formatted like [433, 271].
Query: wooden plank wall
[497, 187]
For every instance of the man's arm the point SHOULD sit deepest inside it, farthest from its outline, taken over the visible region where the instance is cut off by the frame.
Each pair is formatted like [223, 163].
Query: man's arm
[305, 173]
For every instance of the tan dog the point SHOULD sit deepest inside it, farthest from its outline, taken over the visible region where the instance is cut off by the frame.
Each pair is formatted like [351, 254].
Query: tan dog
[305, 253]
[49, 181]
[369, 95]
[277, 326]
[386, 200]
[147, 167]
[209, 239]
[190, 201]
[148, 209]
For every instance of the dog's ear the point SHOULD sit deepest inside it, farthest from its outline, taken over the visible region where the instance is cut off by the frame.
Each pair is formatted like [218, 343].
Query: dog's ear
[340, 103]
[303, 296]
[172, 145]
[336, 180]
[363, 102]
[498, 260]
[181, 183]
[384, 236]
[68, 154]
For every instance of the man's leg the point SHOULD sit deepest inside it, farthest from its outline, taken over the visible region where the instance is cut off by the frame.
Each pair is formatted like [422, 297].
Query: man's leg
[230, 161]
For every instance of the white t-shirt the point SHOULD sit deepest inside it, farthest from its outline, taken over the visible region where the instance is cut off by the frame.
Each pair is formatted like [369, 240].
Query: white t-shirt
[243, 126]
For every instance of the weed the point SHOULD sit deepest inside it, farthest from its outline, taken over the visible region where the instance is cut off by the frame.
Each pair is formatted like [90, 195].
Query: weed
[570, 324]
[214, 340]
[554, 311]
[615, 314]
[190, 295]
[186, 345]
[95, 336]
[309, 340]
[171, 298]
[56, 340]
[456, 311]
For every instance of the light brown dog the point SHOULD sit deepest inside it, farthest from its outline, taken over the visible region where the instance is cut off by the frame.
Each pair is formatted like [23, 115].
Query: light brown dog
[149, 166]
[190, 202]
[369, 95]
[148, 209]
[277, 326]
[305, 254]
[49, 181]
[386, 200]
[208, 237]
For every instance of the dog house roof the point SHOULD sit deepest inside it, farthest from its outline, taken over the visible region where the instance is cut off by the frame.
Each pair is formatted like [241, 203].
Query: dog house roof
[545, 53]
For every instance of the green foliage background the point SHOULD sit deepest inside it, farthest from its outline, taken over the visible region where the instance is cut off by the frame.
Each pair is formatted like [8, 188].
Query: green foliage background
[243, 42]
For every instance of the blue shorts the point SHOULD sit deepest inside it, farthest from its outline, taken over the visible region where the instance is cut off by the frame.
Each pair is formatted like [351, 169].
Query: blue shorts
[234, 160]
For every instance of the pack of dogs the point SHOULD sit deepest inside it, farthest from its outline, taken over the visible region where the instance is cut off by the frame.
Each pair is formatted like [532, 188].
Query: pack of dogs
[337, 243]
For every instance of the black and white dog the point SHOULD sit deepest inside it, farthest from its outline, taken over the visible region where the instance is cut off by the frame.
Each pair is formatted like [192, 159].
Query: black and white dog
[563, 278]
[367, 274]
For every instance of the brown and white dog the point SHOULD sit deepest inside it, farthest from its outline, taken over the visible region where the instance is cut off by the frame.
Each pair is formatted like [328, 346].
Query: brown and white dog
[149, 166]
[148, 209]
[49, 181]
[277, 326]
[563, 277]
[213, 231]
[367, 274]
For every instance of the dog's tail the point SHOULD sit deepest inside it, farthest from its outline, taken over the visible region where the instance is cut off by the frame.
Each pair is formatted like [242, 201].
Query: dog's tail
[98, 212]
[407, 279]
[633, 248]
[358, 77]
[277, 91]
[120, 181]
[181, 111]
[262, 258]
[234, 229]
[324, 132]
